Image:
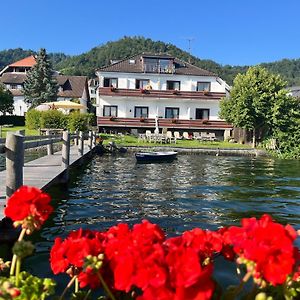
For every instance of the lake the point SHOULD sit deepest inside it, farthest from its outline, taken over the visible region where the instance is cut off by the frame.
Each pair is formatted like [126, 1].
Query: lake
[193, 191]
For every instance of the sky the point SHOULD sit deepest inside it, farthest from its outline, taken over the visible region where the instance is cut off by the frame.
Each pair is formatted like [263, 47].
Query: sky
[233, 32]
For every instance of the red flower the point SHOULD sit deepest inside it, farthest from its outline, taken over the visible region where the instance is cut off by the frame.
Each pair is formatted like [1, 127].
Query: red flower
[29, 202]
[268, 244]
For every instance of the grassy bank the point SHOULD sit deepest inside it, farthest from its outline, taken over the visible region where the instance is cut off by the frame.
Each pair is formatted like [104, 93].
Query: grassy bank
[4, 130]
[129, 140]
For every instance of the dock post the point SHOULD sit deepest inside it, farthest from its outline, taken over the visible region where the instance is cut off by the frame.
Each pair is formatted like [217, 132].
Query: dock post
[90, 144]
[49, 146]
[76, 138]
[80, 143]
[94, 139]
[66, 154]
[14, 162]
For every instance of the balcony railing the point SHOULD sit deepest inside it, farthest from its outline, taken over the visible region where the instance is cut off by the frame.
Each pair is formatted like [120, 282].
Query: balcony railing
[162, 122]
[203, 95]
[157, 68]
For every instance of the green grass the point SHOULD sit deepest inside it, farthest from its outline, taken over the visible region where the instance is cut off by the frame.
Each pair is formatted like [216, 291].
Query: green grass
[129, 140]
[4, 130]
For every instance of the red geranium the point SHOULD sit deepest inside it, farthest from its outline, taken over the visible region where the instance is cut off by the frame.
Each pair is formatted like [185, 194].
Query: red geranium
[266, 243]
[29, 202]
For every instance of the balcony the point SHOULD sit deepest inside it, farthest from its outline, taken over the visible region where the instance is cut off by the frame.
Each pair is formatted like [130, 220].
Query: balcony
[149, 123]
[203, 95]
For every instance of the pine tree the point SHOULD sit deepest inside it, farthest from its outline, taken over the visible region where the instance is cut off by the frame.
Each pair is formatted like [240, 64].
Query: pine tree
[40, 85]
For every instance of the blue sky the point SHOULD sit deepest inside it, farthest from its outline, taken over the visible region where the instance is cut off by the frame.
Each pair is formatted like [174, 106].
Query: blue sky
[233, 32]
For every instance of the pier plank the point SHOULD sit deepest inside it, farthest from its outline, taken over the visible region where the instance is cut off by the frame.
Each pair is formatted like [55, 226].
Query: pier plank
[41, 172]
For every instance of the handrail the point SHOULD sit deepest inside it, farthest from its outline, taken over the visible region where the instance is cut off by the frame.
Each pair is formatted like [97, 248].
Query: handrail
[35, 144]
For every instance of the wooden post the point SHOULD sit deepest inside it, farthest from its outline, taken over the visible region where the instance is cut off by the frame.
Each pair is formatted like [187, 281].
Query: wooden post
[76, 138]
[94, 139]
[66, 154]
[14, 162]
[49, 146]
[80, 143]
[90, 144]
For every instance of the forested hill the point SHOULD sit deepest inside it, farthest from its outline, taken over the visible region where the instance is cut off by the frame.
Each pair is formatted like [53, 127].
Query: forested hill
[86, 63]
[12, 55]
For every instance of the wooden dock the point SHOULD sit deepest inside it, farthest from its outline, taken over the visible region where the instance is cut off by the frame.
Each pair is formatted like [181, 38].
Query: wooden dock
[46, 170]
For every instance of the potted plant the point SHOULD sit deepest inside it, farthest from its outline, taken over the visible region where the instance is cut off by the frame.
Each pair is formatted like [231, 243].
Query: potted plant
[205, 121]
[206, 92]
[112, 88]
[112, 118]
[144, 91]
[176, 92]
[142, 119]
[175, 121]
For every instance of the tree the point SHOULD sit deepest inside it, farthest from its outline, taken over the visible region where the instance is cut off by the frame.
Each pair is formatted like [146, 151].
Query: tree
[6, 101]
[40, 86]
[253, 101]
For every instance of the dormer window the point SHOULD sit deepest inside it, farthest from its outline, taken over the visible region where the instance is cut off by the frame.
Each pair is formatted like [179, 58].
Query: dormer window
[158, 65]
[173, 85]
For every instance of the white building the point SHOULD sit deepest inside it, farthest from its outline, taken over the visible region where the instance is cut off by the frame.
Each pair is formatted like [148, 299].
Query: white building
[134, 91]
[69, 87]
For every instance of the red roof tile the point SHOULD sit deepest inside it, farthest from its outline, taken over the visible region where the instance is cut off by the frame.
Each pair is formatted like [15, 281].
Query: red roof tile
[25, 62]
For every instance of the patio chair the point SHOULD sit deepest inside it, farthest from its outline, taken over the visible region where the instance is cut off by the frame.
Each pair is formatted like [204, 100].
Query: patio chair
[186, 135]
[204, 136]
[212, 136]
[170, 137]
[164, 130]
[177, 135]
[196, 136]
[149, 136]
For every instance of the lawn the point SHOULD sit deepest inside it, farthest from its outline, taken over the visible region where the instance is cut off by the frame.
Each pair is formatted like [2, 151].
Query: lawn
[129, 140]
[4, 130]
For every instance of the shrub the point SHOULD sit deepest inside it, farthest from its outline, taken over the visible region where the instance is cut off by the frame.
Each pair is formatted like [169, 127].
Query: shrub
[14, 120]
[78, 121]
[54, 119]
[33, 119]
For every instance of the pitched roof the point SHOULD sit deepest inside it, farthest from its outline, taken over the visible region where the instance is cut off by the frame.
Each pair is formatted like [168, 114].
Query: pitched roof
[134, 64]
[71, 86]
[25, 62]
[16, 78]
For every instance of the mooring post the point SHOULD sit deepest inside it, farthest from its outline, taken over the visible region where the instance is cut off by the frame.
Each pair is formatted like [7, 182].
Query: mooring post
[90, 144]
[49, 146]
[76, 138]
[66, 154]
[80, 143]
[94, 138]
[14, 145]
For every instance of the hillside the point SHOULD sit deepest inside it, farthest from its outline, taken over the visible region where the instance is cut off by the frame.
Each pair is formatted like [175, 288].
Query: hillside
[11, 55]
[86, 63]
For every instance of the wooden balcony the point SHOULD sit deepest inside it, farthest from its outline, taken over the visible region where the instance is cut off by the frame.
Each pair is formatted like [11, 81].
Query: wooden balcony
[169, 123]
[201, 95]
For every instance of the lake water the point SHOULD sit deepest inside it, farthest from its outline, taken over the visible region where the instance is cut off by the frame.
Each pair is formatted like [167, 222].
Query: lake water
[193, 191]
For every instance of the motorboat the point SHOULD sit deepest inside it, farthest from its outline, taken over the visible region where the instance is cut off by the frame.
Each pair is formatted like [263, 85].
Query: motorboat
[155, 156]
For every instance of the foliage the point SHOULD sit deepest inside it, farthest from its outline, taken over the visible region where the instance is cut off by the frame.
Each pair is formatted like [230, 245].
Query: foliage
[40, 86]
[78, 121]
[14, 120]
[258, 101]
[142, 263]
[6, 101]
[33, 119]
[54, 119]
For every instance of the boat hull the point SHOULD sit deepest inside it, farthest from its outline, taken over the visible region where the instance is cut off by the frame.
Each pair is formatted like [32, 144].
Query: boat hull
[155, 156]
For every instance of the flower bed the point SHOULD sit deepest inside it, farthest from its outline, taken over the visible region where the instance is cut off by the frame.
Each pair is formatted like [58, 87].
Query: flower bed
[142, 263]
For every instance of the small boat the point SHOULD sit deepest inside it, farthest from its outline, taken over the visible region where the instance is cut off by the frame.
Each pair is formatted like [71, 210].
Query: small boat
[155, 156]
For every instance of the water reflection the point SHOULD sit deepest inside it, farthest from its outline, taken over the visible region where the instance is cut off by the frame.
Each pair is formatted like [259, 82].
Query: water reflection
[193, 191]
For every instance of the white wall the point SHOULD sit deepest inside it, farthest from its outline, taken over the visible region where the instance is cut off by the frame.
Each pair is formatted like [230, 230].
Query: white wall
[20, 107]
[187, 108]
[158, 81]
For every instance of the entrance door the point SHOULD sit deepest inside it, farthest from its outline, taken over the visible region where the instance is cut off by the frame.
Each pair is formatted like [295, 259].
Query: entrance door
[202, 113]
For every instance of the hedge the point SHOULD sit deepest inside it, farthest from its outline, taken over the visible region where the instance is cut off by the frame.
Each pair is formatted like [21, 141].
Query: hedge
[13, 120]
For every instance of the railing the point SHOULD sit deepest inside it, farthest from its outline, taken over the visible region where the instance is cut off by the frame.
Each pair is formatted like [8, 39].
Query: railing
[15, 144]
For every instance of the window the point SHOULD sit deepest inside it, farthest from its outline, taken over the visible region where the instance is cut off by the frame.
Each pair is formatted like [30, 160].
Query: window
[173, 85]
[141, 112]
[141, 83]
[203, 86]
[172, 112]
[110, 111]
[14, 86]
[110, 82]
[202, 113]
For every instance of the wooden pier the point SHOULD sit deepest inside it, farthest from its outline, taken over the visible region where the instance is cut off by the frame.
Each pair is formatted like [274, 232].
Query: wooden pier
[46, 170]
